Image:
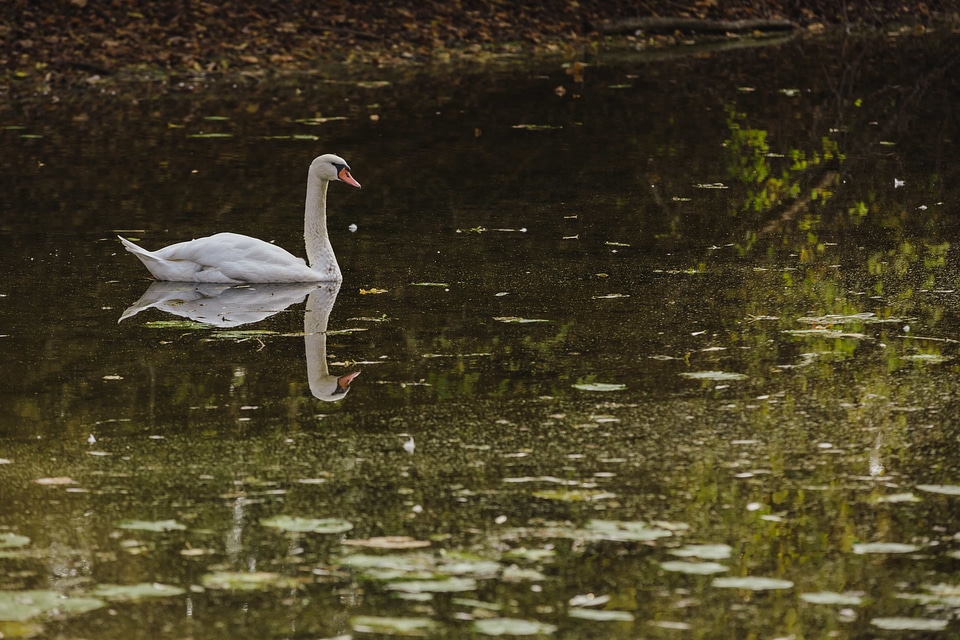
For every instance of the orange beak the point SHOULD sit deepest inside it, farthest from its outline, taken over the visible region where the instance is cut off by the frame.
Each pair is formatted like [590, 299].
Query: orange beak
[343, 382]
[345, 176]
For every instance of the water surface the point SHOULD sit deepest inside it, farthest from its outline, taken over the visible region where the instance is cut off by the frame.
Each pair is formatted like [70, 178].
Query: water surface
[626, 331]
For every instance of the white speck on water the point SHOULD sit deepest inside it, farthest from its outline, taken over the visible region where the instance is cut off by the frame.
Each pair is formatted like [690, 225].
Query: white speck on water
[352, 228]
[754, 506]
[91, 439]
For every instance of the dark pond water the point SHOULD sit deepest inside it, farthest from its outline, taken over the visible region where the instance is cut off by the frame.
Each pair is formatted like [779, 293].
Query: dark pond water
[647, 348]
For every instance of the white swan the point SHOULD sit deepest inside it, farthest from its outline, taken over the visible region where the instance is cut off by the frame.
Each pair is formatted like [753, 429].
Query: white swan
[231, 258]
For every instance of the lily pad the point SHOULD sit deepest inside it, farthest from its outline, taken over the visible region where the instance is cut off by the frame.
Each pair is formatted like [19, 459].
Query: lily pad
[753, 583]
[703, 551]
[599, 386]
[307, 525]
[830, 597]
[387, 542]
[8, 540]
[519, 320]
[132, 592]
[176, 324]
[242, 334]
[713, 375]
[445, 585]
[945, 489]
[531, 555]
[247, 581]
[393, 626]
[909, 624]
[573, 495]
[884, 547]
[513, 573]
[536, 127]
[512, 627]
[693, 568]
[621, 531]
[600, 615]
[151, 525]
[898, 497]
[20, 606]
[928, 358]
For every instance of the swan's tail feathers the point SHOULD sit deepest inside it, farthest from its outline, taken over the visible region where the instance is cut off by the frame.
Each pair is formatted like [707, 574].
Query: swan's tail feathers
[149, 260]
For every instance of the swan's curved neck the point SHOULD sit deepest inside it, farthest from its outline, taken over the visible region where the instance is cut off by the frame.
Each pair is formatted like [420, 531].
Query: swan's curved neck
[320, 254]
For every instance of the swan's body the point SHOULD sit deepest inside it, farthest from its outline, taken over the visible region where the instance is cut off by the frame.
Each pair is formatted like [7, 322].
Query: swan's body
[231, 258]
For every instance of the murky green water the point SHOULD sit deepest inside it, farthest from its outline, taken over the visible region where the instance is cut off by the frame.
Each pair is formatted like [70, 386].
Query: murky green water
[695, 322]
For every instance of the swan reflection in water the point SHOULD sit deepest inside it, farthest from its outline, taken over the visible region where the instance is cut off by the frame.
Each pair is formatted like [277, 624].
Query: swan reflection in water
[227, 306]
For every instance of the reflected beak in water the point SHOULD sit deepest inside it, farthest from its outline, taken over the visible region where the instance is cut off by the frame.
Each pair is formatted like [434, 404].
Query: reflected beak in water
[343, 382]
[344, 175]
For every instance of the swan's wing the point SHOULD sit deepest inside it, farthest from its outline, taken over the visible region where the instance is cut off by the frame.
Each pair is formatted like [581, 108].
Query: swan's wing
[231, 257]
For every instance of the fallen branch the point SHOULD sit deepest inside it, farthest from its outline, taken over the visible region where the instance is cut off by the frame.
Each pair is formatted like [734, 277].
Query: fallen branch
[669, 25]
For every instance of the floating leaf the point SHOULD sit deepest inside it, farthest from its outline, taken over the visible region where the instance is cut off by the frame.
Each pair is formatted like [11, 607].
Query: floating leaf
[373, 84]
[588, 600]
[625, 530]
[444, 585]
[210, 135]
[884, 547]
[392, 626]
[829, 597]
[372, 291]
[693, 568]
[536, 127]
[8, 540]
[945, 489]
[477, 604]
[897, 497]
[429, 284]
[573, 495]
[247, 580]
[56, 481]
[307, 525]
[710, 185]
[713, 375]
[531, 555]
[864, 318]
[611, 296]
[129, 592]
[704, 551]
[600, 615]
[598, 386]
[151, 525]
[827, 333]
[388, 542]
[20, 606]
[518, 320]
[318, 120]
[909, 624]
[928, 358]
[242, 334]
[513, 573]
[512, 627]
[753, 583]
[176, 324]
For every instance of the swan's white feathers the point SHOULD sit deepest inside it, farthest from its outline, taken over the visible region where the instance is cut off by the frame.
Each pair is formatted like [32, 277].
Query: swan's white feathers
[231, 258]
[225, 257]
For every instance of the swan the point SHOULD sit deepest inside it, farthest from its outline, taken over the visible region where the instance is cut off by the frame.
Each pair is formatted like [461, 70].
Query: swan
[231, 258]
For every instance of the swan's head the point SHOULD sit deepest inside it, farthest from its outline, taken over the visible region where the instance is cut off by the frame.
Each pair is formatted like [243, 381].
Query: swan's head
[333, 389]
[332, 167]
